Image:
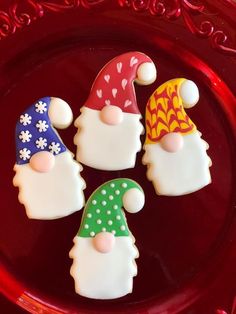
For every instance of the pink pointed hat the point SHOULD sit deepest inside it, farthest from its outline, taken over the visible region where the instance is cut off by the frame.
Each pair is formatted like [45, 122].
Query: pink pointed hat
[114, 83]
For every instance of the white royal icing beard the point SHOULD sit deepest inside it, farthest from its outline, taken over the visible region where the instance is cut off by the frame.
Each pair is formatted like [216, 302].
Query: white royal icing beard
[107, 147]
[181, 172]
[103, 275]
[54, 194]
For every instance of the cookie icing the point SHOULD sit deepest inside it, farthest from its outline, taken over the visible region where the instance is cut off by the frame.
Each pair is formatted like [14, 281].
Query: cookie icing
[42, 161]
[104, 237]
[109, 109]
[175, 154]
[100, 276]
[95, 141]
[104, 242]
[49, 181]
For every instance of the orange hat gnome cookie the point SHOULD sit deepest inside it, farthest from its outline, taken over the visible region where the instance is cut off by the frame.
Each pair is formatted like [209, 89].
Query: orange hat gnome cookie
[48, 178]
[175, 154]
[104, 252]
[109, 127]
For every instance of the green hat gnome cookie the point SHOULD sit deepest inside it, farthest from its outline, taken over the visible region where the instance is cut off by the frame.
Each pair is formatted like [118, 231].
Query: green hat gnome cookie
[104, 252]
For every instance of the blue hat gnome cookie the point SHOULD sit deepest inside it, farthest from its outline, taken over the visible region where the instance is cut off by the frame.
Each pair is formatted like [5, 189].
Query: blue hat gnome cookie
[111, 115]
[49, 181]
[104, 252]
[174, 150]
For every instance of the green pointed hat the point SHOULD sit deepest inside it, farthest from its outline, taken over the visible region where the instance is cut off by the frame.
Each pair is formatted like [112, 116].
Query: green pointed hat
[103, 210]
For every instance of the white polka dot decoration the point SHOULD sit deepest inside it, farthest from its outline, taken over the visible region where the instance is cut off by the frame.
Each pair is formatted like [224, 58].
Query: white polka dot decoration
[133, 200]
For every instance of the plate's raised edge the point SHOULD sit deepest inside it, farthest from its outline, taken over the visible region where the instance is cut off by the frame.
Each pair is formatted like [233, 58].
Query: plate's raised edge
[173, 10]
[233, 3]
[22, 13]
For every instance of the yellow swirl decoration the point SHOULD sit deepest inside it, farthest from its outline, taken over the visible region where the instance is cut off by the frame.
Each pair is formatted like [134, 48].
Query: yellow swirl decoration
[165, 112]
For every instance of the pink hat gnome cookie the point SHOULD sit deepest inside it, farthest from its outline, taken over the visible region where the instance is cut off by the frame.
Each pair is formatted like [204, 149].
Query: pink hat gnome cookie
[104, 252]
[109, 127]
[49, 181]
[175, 153]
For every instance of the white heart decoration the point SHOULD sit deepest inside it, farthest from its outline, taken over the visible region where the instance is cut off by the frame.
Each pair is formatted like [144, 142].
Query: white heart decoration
[99, 93]
[124, 83]
[133, 61]
[107, 78]
[128, 103]
[119, 67]
[107, 102]
[114, 92]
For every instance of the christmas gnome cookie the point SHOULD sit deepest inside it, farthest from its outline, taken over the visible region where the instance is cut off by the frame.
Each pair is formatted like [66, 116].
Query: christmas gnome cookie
[109, 127]
[175, 154]
[104, 252]
[49, 181]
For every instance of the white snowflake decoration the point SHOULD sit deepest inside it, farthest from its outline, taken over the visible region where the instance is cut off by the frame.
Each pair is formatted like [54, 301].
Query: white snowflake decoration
[41, 107]
[25, 119]
[41, 143]
[42, 126]
[25, 154]
[55, 148]
[25, 136]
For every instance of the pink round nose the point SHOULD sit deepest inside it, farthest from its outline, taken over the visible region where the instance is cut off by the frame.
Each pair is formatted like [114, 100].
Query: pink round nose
[172, 142]
[104, 242]
[42, 161]
[111, 115]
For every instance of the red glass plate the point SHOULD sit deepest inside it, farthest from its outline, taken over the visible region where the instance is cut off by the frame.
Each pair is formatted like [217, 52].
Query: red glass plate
[187, 244]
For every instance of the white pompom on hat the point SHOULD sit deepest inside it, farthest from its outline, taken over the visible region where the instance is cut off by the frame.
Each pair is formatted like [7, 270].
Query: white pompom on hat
[189, 93]
[60, 113]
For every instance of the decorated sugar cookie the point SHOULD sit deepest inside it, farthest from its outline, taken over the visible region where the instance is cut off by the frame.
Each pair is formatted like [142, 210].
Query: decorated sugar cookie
[49, 181]
[109, 127]
[104, 252]
[175, 154]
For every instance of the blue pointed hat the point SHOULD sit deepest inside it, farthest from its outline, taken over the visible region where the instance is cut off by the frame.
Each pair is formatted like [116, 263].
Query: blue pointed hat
[35, 133]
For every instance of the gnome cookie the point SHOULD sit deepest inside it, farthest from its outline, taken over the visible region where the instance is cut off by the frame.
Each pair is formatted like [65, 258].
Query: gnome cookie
[104, 252]
[175, 154]
[49, 181]
[109, 127]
